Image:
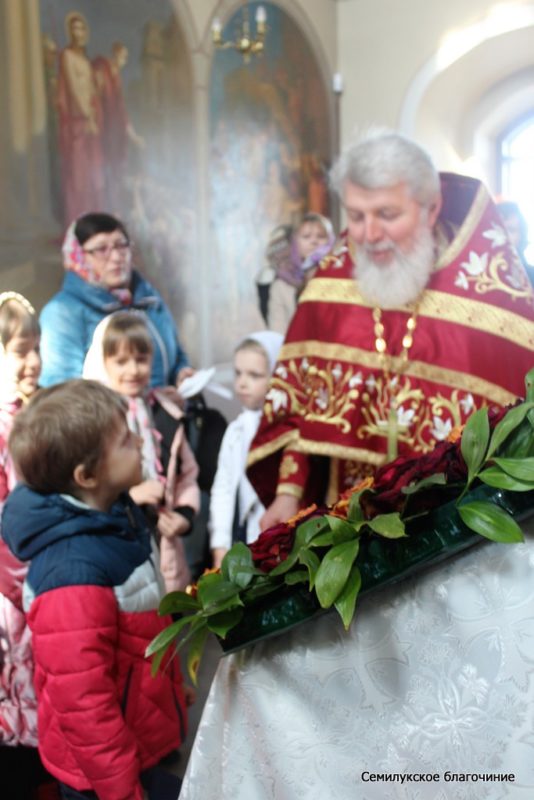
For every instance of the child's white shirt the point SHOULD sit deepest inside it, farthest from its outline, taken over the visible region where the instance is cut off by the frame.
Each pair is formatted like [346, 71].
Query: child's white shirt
[231, 482]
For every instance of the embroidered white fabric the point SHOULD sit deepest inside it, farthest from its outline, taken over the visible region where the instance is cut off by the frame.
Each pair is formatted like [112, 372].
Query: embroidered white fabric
[436, 675]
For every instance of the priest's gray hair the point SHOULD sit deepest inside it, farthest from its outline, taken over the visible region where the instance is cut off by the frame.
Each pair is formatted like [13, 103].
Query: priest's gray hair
[380, 158]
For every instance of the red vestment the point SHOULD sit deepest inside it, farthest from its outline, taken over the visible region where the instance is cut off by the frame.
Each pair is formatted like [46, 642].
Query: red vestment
[79, 116]
[329, 396]
[114, 133]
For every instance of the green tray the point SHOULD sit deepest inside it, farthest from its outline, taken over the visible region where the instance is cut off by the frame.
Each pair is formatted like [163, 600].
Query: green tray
[432, 537]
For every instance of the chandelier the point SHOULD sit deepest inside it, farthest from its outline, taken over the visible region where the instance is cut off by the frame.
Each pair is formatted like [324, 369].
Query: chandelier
[244, 42]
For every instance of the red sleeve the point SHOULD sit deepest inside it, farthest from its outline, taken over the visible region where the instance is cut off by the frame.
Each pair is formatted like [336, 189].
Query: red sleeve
[293, 473]
[75, 640]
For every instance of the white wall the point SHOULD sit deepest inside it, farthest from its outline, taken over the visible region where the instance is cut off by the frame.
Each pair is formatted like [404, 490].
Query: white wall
[428, 68]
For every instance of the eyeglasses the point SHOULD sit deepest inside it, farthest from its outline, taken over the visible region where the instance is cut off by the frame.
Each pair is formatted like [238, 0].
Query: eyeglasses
[104, 251]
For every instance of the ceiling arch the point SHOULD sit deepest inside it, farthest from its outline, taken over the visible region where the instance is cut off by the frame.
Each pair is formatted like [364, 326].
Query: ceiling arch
[478, 80]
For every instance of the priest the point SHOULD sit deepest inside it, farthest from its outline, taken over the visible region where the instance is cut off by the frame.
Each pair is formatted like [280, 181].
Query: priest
[421, 314]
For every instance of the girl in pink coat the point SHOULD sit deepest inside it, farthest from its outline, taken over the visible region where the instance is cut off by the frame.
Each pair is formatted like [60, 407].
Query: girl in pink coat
[20, 367]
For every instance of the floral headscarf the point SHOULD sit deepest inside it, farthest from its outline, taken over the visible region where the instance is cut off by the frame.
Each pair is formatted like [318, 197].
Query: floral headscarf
[73, 256]
[283, 252]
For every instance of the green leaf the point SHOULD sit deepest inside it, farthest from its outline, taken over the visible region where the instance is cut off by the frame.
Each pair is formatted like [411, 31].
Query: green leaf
[300, 576]
[343, 531]
[177, 603]
[237, 566]
[323, 540]
[310, 560]
[194, 655]
[355, 512]
[346, 602]
[214, 592]
[493, 476]
[156, 662]
[224, 621]
[529, 386]
[258, 589]
[334, 571]
[285, 565]
[520, 442]
[439, 479]
[306, 531]
[475, 438]
[222, 605]
[490, 521]
[168, 634]
[520, 468]
[507, 425]
[390, 526]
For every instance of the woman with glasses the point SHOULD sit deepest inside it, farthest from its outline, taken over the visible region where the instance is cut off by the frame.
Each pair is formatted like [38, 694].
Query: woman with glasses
[99, 279]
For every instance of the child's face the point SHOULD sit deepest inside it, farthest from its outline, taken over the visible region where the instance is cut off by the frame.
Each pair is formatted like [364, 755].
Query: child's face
[251, 379]
[120, 467]
[22, 355]
[310, 236]
[128, 370]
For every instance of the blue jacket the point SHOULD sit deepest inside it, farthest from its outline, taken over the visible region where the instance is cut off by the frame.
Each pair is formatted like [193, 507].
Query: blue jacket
[69, 544]
[69, 319]
[92, 594]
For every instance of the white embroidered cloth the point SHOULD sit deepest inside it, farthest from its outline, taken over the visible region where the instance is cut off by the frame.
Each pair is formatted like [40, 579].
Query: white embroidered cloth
[435, 676]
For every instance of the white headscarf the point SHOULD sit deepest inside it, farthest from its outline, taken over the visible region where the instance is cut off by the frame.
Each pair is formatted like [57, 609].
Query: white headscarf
[271, 341]
[138, 415]
[249, 419]
[93, 366]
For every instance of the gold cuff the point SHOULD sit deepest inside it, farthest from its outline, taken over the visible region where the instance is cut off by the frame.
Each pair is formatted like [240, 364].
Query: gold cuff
[290, 488]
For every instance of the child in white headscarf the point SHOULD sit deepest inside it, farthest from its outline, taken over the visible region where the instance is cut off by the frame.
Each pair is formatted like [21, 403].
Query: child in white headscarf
[235, 509]
[120, 356]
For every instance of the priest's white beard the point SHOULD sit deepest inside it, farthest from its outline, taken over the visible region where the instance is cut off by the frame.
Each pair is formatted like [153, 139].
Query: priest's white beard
[402, 280]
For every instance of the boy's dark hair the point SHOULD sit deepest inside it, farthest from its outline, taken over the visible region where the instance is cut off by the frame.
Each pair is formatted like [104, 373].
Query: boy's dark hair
[63, 426]
[129, 326]
[91, 224]
[16, 317]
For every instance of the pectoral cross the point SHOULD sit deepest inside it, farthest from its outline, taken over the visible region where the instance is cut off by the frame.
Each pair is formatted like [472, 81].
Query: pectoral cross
[391, 430]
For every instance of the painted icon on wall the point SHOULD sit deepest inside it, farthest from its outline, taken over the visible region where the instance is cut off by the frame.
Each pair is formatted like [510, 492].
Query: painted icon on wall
[120, 128]
[271, 145]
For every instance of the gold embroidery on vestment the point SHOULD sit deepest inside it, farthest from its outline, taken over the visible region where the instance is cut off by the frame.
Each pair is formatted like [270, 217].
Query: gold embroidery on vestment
[324, 394]
[490, 279]
[290, 488]
[442, 306]
[288, 467]
[453, 379]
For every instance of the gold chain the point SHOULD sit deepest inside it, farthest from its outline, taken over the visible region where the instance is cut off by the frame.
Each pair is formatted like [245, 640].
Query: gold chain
[381, 344]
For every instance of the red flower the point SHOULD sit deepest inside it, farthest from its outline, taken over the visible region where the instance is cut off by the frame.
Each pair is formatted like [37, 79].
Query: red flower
[272, 546]
[391, 479]
[275, 544]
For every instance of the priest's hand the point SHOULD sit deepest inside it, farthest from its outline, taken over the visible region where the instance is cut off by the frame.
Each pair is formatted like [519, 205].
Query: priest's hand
[283, 507]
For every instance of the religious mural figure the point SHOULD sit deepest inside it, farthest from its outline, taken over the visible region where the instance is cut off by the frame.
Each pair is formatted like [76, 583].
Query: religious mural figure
[270, 148]
[80, 120]
[116, 128]
[50, 61]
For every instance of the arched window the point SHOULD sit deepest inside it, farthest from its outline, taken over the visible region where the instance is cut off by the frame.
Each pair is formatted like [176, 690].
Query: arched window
[516, 158]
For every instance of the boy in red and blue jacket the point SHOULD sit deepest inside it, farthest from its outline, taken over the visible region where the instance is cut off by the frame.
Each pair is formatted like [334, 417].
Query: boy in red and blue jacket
[91, 596]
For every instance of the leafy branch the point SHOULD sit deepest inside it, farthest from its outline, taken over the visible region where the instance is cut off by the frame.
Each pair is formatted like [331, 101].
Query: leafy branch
[502, 459]
[325, 548]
